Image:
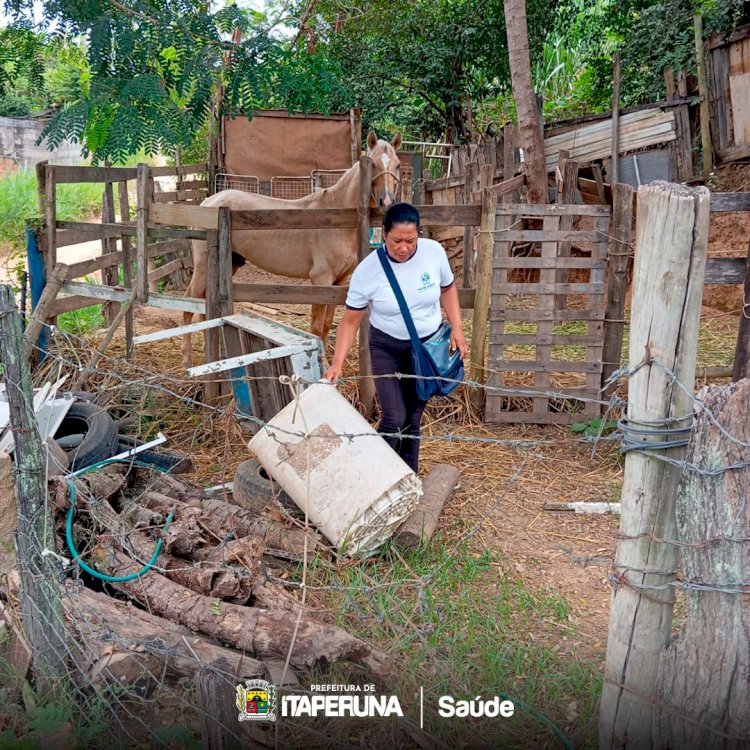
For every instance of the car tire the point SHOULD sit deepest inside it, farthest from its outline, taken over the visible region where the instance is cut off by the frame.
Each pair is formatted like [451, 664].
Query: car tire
[160, 458]
[99, 431]
[254, 489]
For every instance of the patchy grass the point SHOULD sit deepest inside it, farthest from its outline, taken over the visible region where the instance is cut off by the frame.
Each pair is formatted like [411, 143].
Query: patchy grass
[457, 625]
[81, 322]
[18, 202]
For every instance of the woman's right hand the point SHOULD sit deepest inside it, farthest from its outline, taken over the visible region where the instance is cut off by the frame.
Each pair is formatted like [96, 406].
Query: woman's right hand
[333, 373]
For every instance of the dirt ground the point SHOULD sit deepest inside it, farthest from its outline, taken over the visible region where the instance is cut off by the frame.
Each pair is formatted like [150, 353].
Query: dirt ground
[500, 503]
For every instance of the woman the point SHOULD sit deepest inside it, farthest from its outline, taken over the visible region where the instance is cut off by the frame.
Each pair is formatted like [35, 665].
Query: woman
[426, 280]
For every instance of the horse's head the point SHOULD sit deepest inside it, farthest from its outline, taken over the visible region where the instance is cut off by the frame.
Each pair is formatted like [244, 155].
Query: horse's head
[386, 174]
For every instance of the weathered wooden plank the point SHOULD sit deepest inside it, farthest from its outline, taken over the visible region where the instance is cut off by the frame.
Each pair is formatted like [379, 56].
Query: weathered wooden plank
[556, 365]
[181, 195]
[733, 153]
[295, 218]
[182, 170]
[555, 209]
[195, 217]
[439, 216]
[68, 304]
[85, 267]
[500, 313]
[552, 235]
[549, 287]
[546, 339]
[619, 252]
[166, 269]
[724, 202]
[75, 232]
[64, 173]
[171, 233]
[725, 271]
[533, 262]
[495, 415]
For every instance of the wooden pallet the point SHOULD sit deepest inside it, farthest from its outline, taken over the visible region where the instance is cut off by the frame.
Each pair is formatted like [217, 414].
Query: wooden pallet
[546, 367]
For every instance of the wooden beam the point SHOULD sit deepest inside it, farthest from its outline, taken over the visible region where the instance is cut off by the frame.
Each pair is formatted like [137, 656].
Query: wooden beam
[295, 218]
[366, 383]
[41, 312]
[728, 202]
[705, 117]
[64, 173]
[725, 271]
[615, 171]
[483, 277]
[733, 153]
[195, 217]
[742, 349]
[142, 218]
[620, 250]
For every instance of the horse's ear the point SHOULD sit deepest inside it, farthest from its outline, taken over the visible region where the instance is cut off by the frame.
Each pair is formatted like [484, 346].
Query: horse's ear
[372, 140]
[397, 141]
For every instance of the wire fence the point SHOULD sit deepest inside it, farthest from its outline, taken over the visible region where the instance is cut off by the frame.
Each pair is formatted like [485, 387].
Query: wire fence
[146, 683]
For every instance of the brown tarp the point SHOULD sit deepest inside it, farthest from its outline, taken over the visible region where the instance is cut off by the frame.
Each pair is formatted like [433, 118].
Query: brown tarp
[275, 144]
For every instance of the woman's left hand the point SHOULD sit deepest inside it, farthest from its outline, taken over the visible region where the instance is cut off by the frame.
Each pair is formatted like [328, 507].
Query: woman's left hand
[458, 341]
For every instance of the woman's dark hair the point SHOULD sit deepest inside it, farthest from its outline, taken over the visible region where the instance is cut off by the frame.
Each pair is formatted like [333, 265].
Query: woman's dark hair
[400, 213]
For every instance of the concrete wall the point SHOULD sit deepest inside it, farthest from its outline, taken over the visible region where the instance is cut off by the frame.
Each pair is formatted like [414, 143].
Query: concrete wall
[18, 136]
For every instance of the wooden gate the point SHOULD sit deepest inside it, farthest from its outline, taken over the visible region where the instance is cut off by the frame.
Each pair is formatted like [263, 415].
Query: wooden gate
[547, 314]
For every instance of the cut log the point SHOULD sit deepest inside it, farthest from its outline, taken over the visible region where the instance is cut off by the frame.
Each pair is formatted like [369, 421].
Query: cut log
[223, 519]
[703, 689]
[207, 578]
[264, 633]
[102, 621]
[419, 527]
[217, 713]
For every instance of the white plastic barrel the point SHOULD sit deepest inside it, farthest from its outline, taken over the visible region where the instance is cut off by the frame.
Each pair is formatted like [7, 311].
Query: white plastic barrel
[337, 469]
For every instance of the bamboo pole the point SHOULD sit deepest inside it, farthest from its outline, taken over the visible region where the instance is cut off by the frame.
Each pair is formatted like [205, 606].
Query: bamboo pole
[670, 261]
[705, 117]
[41, 602]
[483, 275]
[366, 383]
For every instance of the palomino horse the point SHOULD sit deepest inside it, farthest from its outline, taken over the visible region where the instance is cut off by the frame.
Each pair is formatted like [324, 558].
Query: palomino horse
[325, 256]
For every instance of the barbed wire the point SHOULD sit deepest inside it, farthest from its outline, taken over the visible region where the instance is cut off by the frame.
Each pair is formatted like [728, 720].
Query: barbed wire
[122, 711]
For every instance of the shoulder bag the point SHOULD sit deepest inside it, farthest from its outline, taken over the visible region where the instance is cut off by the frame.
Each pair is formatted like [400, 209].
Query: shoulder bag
[440, 371]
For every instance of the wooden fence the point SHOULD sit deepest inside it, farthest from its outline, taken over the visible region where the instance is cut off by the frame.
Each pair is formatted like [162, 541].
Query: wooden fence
[545, 233]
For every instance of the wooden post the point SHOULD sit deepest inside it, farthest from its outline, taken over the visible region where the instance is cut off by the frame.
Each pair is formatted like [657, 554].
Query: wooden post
[742, 350]
[366, 383]
[231, 336]
[212, 336]
[41, 603]
[40, 313]
[219, 725]
[50, 220]
[127, 266]
[483, 295]
[700, 59]
[617, 279]
[668, 284]
[355, 126]
[109, 245]
[614, 173]
[703, 690]
[141, 237]
[472, 170]
[41, 186]
[509, 151]
[567, 197]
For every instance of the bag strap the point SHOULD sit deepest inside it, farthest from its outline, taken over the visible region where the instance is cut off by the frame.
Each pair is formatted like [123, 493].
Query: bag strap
[399, 296]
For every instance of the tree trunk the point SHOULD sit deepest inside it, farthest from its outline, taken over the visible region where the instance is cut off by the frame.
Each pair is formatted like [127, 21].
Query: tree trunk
[704, 676]
[529, 122]
[41, 602]
[259, 631]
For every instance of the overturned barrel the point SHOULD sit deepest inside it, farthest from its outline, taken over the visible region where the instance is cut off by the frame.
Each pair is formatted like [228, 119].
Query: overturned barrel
[338, 470]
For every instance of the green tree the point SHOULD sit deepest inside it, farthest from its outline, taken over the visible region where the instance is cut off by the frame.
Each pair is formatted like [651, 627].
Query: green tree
[155, 67]
[421, 64]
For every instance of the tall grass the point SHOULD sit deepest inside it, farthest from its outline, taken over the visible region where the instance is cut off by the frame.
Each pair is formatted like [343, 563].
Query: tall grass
[18, 202]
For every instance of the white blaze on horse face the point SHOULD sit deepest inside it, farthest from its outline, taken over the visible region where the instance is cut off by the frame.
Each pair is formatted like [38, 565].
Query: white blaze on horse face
[386, 161]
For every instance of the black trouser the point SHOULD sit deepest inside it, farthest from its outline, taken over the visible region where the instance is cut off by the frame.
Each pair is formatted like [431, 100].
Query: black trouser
[401, 409]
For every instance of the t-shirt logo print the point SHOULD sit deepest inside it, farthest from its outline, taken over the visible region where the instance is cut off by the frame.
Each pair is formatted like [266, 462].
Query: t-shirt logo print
[425, 278]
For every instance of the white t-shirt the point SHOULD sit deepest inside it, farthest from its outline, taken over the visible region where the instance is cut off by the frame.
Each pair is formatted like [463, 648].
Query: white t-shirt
[421, 279]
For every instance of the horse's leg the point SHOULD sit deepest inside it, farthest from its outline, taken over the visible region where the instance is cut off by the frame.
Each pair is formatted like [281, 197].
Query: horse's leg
[196, 288]
[318, 325]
